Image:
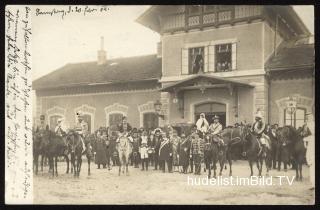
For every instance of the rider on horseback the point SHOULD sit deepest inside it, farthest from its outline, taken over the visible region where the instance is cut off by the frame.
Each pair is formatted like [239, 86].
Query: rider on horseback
[59, 130]
[202, 125]
[81, 128]
[258, 129]
[215, 129]
[124, 129]
[42, 126]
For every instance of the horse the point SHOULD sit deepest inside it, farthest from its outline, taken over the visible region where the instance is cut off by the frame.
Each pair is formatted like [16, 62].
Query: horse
[124, 148]
[231, 137]
[38, 149]
[292, 140]
[75, 146]
[56, 148]
[252, 150]
[89, 142]
[211, 150]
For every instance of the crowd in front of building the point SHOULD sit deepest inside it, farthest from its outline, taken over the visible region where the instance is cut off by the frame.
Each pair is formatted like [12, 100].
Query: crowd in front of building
[160, 148]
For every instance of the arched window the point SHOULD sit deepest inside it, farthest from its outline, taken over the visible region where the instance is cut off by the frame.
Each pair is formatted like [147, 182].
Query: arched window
[115, 119]
[54, 121]
[150, 120]
[87, 119]
[295, 119]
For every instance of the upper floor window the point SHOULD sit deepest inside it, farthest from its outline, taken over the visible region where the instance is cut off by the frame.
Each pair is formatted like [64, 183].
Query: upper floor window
[194, 9]
[196, 60]
[209, 58]
[223, 57]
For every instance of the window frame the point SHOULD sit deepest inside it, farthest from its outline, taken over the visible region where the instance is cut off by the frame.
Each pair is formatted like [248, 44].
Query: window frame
[293, 116]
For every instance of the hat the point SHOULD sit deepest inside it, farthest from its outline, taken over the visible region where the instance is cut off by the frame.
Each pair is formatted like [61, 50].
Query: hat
[42, 117]
[259, 115]
[60, 120]
[157, 130]
[202, 114]
[215, 117]
[134, 130]
[79, 114]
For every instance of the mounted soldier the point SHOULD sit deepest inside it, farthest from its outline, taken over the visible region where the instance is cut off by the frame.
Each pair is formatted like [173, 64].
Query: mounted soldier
[60, 130]
[124, 129]
[258, 128]
[43, 126]
[81, 128]
[216, 128]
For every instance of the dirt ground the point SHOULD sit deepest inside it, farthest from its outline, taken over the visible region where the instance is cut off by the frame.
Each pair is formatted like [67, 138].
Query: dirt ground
[154, 187]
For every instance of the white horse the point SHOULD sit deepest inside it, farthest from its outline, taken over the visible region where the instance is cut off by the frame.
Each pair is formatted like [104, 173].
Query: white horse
[124, 148]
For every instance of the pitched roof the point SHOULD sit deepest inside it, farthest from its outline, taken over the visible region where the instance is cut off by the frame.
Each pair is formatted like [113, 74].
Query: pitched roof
[138, 68]
[296, 56]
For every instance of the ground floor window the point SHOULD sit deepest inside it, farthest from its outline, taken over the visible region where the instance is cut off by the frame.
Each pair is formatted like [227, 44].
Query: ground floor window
[295, 119]
[87, 119]
[54, 121]
[150, 120]
[115, 119]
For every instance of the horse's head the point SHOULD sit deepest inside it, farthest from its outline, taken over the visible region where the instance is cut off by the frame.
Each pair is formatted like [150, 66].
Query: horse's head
[72, 140]
[283, 135]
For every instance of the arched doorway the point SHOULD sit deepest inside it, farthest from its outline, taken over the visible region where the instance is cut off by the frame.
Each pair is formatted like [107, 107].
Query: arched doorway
[210, 109]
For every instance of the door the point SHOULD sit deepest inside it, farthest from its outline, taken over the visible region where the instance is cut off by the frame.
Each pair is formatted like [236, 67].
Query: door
[210, 110]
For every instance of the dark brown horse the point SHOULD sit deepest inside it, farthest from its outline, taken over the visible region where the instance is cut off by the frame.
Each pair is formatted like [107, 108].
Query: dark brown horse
[56, 147]
[232, 137]
[252, 150]
[292, 140]
[40, 142]
[89, 142]
[75, 146]
[211, 154]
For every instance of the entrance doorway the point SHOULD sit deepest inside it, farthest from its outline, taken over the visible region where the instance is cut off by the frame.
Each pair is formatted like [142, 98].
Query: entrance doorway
[210, 109]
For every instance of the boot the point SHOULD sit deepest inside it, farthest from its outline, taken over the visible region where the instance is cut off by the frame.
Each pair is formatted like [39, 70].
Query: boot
[147, 163]
[142, 164]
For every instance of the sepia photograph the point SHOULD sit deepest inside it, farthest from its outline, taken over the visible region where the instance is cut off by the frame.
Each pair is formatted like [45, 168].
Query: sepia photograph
[161, 104]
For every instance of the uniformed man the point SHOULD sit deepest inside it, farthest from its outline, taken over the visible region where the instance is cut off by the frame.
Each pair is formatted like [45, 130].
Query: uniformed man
[216, 127]
[197, 152]
[165, 152]
[42, 126]
[60, 130]
[81, 128]
[258, 128]
[125, 129]
[154, 144]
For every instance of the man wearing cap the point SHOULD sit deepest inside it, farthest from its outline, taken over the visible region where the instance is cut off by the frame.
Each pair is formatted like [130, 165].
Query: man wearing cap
[135, 148]
[59, 130]
[194, 131]
[184, 152]
[197, 152]
[202, 124]
[42, 126]
[258, 128]
[154, 144]
[165, 152]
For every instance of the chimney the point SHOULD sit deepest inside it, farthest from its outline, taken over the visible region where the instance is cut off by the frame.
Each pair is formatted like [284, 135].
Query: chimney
[102, 54]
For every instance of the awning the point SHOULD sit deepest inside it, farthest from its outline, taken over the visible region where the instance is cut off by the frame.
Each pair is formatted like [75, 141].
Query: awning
[202, 82]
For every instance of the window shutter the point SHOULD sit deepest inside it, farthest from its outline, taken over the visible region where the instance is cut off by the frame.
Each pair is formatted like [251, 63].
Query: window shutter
[184, 61]
[211, 58]
[206, 59]
[234, 56]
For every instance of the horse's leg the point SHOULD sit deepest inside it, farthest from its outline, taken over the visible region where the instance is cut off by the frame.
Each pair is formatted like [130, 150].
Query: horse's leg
[230, 163]
[127, 170]
[80, 164]
[221, 166]
[297, 174]
[258, 166]
[251, 167]
[67, 160]
[88, 158]
[56, 165]
[42, 162]
[300, 169]
[36, 160]
[214, 165]
[73, 162]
